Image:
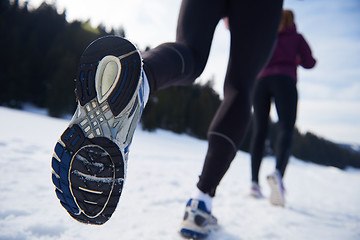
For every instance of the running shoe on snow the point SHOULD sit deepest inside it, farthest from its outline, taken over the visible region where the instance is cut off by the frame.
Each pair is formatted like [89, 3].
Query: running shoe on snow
[255, 190]
[90, 158]
[277, 194]
[198, 222]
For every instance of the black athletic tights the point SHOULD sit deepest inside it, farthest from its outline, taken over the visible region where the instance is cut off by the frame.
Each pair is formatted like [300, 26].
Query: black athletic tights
[253, 27]
[282, 90]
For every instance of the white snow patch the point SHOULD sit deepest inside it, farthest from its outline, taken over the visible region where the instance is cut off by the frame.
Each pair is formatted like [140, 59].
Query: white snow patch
[321, 202]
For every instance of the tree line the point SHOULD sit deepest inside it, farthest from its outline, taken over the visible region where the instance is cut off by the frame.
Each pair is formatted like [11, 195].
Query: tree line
[39, 55]
[182, 109]
[190, 110]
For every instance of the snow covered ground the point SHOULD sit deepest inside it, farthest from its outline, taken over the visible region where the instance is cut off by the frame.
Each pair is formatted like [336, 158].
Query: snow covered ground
[322, 202]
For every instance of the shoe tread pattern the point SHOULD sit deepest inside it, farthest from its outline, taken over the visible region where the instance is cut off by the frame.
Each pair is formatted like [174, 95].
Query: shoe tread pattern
[88, 178]
[89, 172]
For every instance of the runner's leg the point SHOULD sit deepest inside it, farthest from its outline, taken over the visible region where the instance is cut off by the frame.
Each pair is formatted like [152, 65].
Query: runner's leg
[286, 105]
[180, 63]
[261, 105]
[253, 34]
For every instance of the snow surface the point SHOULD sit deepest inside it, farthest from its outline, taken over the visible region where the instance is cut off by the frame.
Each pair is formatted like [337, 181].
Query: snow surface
[322, 202]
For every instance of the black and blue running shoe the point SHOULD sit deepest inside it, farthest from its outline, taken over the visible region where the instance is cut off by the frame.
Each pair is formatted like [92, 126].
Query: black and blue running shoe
[198, 222]
[90, 159]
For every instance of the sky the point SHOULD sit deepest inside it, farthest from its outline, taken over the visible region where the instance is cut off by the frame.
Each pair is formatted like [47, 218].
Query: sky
[329, 94]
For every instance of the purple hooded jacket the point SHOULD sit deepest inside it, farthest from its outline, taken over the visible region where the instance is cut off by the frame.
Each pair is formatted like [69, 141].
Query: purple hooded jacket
[291, 50]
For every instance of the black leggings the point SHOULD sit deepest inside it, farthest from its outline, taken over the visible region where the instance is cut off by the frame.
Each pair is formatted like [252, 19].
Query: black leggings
[253, 27]
[281, 89]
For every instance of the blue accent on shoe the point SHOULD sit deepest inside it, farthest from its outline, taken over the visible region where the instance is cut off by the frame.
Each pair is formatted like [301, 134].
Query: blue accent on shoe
[68, 136]
[201, 205]
[126, 150]
[82, 76]
[61, 197]
[65, 159]
[55, 165]
[59, 149]
[113, 99]
[73, 143]
[142, 89]
[62, 170]
[56, 181]
[141, 94]
[64, 202]
[187, 233]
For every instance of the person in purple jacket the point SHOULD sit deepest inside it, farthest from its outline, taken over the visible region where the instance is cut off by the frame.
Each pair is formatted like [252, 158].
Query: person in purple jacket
[277, 82]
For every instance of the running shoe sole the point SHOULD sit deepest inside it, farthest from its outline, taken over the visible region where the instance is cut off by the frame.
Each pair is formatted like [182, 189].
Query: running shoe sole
[190, 234]
[90, 158]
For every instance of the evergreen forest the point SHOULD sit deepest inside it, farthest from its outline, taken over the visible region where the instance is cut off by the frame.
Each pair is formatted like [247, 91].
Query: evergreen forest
[39, 55]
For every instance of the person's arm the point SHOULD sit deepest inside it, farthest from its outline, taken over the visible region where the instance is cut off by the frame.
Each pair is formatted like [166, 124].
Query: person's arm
[305, 58]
